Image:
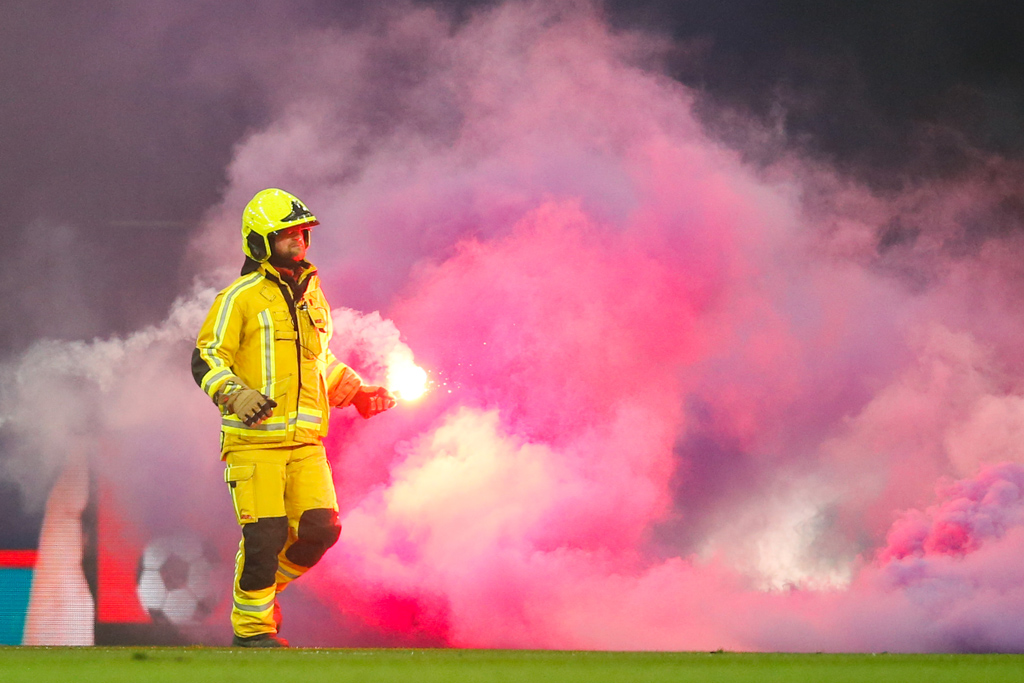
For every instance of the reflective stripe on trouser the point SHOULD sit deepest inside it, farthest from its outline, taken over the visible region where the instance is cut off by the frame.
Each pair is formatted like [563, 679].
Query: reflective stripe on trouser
[285, 501]
[287, 571]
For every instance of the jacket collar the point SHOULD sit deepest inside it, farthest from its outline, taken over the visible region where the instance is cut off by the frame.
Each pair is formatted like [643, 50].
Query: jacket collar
[305, 270]
[297, 288]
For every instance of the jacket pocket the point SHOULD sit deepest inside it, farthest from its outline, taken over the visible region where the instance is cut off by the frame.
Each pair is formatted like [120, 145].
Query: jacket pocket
[313, 329]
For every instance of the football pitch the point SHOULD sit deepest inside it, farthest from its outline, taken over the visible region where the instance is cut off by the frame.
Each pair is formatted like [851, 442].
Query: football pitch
[224, 665]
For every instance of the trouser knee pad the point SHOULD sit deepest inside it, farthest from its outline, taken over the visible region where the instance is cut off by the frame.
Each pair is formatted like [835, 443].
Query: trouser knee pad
[262, 540]
[318, 530]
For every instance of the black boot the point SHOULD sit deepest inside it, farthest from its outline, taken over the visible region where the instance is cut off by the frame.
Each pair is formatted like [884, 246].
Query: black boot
[259, 640]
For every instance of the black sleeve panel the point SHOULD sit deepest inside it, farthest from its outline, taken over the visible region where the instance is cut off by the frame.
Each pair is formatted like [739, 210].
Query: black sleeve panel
[199, 368]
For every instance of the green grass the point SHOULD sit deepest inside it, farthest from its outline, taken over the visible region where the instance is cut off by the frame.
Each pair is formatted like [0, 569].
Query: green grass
[223, 665]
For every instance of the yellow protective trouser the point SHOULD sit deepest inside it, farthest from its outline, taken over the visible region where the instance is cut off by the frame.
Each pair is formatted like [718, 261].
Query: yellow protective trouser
[285, 502]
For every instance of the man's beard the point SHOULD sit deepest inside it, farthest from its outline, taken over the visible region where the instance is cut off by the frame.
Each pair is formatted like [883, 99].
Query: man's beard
[289, 262]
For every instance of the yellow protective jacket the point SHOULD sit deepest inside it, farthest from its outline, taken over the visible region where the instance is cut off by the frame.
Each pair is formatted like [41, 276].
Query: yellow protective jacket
[259, 334]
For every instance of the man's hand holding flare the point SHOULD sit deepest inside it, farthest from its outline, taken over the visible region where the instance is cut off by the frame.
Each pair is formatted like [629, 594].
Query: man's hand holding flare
[371, 400]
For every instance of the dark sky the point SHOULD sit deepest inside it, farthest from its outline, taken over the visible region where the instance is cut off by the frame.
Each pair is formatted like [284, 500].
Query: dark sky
[114, 144]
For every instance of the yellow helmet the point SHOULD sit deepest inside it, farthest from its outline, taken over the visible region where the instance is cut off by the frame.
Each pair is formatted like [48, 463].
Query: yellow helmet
[266, 213]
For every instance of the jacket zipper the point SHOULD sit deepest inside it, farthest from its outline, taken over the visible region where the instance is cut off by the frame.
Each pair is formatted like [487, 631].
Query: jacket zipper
[286, 290]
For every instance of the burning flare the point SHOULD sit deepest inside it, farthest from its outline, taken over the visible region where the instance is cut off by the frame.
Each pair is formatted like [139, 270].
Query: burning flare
[405, 379]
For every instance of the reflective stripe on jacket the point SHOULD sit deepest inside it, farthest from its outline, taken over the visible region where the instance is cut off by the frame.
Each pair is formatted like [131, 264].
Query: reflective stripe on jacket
[255, 334]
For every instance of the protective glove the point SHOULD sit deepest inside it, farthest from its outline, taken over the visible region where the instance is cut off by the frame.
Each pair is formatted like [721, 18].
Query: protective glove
[370, 400]
[250, 405]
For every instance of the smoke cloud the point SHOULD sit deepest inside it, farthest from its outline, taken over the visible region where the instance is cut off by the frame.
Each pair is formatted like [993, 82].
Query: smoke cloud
[679, 400]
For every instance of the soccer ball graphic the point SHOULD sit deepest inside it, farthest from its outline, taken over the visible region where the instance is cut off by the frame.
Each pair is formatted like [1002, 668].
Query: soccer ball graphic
[174, 582]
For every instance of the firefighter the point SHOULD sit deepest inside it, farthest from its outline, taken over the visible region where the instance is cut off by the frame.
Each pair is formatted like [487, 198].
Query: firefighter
[262, 356]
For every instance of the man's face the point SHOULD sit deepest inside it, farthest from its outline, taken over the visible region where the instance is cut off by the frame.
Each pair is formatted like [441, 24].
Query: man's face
[290, 243]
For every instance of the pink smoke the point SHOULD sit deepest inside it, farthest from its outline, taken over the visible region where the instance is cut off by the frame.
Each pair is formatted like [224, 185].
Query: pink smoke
[972, 513]
[678, 401]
